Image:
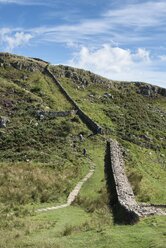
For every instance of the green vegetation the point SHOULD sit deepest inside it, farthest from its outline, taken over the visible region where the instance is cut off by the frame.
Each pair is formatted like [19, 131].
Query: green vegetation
[146, 171]
[41, 159]
[139, 123]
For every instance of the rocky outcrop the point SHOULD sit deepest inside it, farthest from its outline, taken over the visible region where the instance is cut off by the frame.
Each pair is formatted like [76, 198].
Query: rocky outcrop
[150, 90]
[80, 77]
[22, 63]
[120, 189]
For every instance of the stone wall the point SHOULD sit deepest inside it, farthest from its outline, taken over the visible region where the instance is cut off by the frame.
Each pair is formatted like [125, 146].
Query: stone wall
[84, 117]
[53, 114]
[122, 198]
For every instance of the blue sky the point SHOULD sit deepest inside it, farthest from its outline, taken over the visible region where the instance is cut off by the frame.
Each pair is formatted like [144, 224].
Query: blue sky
[119, 39]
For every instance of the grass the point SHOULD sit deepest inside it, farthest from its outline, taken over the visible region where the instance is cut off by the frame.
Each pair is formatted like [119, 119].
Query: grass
[150, 167]
[73, 227]
[128, 115]
[139, 124]
[41, 160]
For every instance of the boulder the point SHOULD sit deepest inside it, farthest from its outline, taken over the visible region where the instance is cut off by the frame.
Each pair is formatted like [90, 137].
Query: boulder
[108, 95]
[3, 121]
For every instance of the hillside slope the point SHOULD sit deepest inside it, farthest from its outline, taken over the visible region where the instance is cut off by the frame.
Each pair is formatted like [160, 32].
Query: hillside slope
[134, 114]
[37, 148]
[41, 149]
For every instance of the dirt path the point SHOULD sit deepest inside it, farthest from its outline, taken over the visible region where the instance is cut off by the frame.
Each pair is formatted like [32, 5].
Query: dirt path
[73, 194]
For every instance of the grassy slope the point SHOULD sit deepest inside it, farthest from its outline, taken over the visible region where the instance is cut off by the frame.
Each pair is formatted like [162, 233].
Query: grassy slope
[73, 227]
[139, 123]
[38, 160]
[88, 223]
[46, 165]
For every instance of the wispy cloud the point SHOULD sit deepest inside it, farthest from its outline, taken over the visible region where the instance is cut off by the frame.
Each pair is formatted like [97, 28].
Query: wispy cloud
[131, 24]
[144, 14]
[163, 58]
[27, 2]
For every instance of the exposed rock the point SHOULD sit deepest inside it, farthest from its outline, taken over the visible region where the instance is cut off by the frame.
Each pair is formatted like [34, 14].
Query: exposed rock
[108, 95]
[91, 95]
[7, 103]
[81, 137]
[24, 77]
[68, 74]
[3, 121]
[162, 91]
[41, 117]
[75, 76]
[150, 90]
[144, 136]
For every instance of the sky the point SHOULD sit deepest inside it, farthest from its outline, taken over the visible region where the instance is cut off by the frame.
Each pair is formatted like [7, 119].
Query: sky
[118, 39]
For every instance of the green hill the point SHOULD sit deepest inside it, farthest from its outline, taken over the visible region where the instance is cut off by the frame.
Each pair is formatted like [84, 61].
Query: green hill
[41, 155]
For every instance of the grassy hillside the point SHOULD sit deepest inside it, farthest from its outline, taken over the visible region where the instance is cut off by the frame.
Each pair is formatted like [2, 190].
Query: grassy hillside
[38, 158]
[138, 121]
[41, 157]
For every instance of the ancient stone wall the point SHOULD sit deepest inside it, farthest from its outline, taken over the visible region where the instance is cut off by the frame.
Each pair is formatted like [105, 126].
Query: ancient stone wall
[122, 197]
[54, 114]
[121, 194]
[84, 117]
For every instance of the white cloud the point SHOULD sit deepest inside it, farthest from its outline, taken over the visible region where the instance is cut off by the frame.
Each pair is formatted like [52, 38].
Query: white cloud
[162, 58]
[108, 59]
[105, 60]
[11, 40]
[142, 55]
[119, 64]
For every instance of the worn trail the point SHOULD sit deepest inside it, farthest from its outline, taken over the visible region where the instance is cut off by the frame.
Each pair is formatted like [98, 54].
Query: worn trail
[73, 194]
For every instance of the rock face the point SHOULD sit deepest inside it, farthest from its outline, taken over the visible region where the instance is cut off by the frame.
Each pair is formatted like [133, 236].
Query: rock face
[150, 90]
[22, 63]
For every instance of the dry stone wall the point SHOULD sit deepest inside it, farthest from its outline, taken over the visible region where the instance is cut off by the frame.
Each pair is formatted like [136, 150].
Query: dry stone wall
[53, 114]
[120, 188]
[93, 126]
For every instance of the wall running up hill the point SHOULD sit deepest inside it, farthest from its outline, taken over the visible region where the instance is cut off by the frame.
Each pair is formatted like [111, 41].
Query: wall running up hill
[93, 126]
